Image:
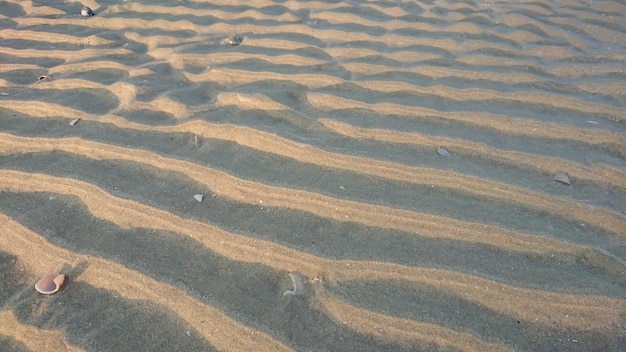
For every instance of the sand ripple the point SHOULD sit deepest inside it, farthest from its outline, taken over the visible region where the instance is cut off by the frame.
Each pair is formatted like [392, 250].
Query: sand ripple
[315, 142]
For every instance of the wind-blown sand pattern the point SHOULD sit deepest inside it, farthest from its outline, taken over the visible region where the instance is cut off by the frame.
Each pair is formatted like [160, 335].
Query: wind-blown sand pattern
[314, 142]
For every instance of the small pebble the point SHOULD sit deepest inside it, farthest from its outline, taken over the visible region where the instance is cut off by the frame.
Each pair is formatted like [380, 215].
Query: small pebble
[86, 12]
[443, 151]
[199, 197]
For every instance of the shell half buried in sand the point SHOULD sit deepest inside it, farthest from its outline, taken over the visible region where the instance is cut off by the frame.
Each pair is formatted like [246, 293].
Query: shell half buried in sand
[233, 41]
[443, 151]
[87, 12]
[562, 177]
[298, 285]
[50, 284]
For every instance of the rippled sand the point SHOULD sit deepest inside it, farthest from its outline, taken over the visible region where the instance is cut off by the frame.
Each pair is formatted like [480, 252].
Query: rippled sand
[315, 143]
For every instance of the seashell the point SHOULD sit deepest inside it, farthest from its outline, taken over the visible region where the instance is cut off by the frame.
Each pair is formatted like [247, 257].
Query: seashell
[235, 40]
[298, 285]
[562, 177]
[86, 12]
[443, 151]
[73, 122]
[199, 197]
[4, 94]
[50, 284]
[42, 78]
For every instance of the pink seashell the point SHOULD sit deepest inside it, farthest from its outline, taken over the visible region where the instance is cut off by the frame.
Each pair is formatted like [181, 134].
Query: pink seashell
[50, 283]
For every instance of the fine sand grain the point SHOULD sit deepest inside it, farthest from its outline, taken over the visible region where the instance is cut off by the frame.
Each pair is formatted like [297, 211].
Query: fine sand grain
[313, 176]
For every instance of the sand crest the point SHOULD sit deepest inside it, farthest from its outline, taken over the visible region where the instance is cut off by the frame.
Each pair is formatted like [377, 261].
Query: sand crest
[313, 176]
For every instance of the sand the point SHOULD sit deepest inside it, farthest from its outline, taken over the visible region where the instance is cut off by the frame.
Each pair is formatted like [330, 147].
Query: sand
[311, 129]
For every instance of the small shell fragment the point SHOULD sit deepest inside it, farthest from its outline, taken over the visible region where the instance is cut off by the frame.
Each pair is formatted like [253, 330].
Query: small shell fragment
[235, 40]
[443, 151]
[74, 121]
[298, 285]
[50, 284]
[87, 12]
[42, 78]
[4, 94]
[562, 177]
[199, 197]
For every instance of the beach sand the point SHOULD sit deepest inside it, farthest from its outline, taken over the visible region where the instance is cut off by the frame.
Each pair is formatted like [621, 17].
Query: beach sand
[397, 157]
